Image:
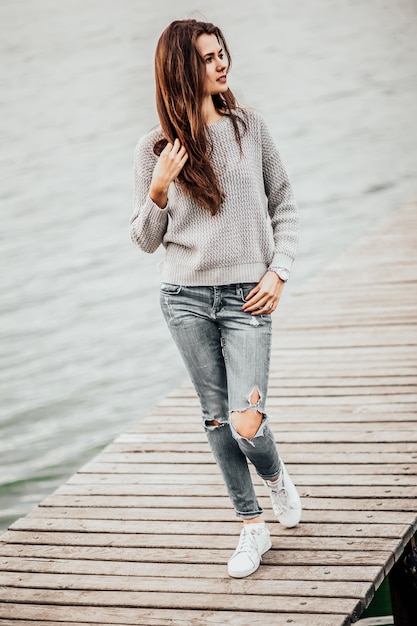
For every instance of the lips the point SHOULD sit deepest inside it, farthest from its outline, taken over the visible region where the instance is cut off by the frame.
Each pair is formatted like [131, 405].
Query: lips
[222, 79]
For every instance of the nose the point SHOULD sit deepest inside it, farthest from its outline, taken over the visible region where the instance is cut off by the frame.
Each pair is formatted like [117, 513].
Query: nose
[221, 66]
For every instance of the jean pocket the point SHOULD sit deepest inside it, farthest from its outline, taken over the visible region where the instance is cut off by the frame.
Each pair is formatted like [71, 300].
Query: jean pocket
[245, 289]
[170, 289]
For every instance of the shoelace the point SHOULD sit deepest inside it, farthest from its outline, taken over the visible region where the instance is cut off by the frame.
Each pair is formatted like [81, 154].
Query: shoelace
[247, 542]
[281, 494]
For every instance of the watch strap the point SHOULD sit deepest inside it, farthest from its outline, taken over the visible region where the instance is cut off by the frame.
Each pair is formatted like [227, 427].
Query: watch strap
[281, 272]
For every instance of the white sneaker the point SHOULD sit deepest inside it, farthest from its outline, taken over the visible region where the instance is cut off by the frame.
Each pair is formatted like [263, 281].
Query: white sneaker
[253, 543]
[285, 499]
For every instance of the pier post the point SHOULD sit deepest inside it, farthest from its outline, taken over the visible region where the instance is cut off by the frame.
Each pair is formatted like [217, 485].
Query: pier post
[403, 593]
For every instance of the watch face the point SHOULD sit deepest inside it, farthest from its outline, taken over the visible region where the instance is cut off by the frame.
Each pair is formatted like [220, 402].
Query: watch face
[283, 274]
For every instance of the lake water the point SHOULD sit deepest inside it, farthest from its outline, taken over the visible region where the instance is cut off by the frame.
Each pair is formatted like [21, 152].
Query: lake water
[84, 349]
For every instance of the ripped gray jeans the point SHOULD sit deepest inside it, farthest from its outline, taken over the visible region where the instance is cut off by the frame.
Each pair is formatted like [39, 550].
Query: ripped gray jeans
[227, 353]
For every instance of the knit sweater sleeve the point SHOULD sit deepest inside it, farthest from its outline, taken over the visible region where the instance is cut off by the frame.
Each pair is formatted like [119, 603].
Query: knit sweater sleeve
[149, 222]
[282, 207]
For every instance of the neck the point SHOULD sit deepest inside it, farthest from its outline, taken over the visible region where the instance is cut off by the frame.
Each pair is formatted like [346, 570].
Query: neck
[209, 111]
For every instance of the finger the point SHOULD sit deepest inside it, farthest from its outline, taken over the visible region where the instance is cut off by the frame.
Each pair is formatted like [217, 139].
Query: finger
[253, 292]
[256, 302]
[177, 155]
[257, 294]
[267, 309]
[177, 147]
[252, 299]
[171, 148]
[167, 149]
[183, 160]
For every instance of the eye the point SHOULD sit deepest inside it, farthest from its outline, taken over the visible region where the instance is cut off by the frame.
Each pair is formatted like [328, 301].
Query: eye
[221, 56]
[209, 59]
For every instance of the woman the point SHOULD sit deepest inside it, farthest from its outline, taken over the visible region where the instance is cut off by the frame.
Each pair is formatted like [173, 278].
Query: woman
[211, 188]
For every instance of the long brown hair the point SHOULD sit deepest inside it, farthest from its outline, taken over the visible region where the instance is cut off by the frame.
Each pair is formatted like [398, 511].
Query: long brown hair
[180, 74]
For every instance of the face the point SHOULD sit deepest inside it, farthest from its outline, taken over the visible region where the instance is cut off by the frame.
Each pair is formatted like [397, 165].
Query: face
[216, 64]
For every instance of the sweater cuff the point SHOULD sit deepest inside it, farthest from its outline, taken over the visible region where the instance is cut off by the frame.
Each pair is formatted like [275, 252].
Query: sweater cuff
[154, 209]
[281, 260]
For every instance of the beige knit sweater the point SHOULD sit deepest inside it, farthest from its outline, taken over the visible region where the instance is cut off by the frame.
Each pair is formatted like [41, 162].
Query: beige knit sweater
[256, 227]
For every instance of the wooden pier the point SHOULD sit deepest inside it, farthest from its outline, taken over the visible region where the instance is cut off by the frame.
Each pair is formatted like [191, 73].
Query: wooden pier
[142, 533]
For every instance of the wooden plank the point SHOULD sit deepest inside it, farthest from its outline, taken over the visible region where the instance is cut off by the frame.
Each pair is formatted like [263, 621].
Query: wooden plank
[157, 490]
[333, 437]
[290, 455]
[358, 515]
[165, 419]
[190, 585]
[277, 382]
[376, 452]
[357, 391]
[316, 502]
[132, 475]
[407, 448]
[382, 557]
[110, 468]
[122, 616]
[345, 426]
[277, 422]
[374, 336]
[213, 484]
[163, 545]
[360, 573]
[288, 451]
[330, 397]
[403, 353]
[335, 319]
[202, 601]
[143, 454]
[187, 528]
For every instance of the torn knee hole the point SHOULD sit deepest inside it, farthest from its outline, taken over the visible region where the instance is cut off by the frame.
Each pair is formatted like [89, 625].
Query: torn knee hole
[246, 423]
[213, 423]
[254, 397]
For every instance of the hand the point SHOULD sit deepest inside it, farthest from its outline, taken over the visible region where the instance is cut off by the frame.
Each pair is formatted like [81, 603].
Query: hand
[264, 298]
[170, 163]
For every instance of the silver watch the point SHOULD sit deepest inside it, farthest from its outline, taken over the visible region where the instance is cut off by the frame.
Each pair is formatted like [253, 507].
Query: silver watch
[282, 272]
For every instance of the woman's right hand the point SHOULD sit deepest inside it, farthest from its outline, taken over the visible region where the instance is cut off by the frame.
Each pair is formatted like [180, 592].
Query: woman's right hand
[170, 163]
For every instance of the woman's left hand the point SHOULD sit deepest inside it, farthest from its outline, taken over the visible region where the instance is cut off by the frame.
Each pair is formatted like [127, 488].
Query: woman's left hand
[265, 296]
